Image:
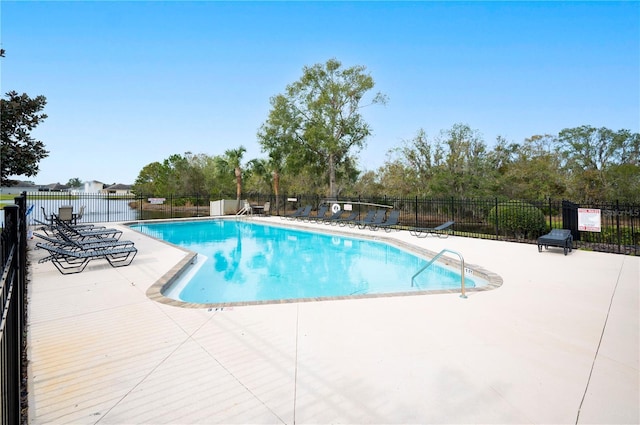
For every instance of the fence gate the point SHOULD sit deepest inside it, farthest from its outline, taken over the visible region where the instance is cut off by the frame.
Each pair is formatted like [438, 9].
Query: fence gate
[570, 218]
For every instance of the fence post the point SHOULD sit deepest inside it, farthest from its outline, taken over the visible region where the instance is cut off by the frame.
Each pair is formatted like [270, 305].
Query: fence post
[21, 202]
[618, 236]
[11, 334]
[108, 198]
[497, 219]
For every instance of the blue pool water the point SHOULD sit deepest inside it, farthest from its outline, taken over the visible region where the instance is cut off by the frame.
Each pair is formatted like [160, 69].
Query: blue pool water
[247, 262]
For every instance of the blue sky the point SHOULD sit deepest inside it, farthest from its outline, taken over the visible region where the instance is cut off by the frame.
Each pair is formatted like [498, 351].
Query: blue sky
[130, 83]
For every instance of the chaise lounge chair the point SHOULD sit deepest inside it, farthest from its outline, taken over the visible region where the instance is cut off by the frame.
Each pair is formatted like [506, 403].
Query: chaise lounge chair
[75, 232]
[376, 219]
[304, 215]
[322, 211]
[293, 214]
[344, 221]
[301, 212]
[557, 237]
[441, 231]
[53, 227]
[355, 222]
[392, 220]
[333, 217]
[64, 241]
[69, 261]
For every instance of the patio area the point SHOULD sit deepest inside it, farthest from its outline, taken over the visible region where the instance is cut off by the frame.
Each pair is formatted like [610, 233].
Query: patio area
[558, 343]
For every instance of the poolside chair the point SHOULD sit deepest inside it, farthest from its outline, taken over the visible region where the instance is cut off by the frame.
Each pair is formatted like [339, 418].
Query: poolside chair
[391, 221]
[266, 208]
[345, 221]
[75, 232]
[367, 218]
[293, 214]
[53, 228]
[63, 240]
[88, 245]
[441, 231]
[302, 212]
[375, 219]
[78, 216]
[322, 211]
[65, 213]
[557, 237]
[69, 261]
[47, 217]
[306, 213]
[333, 217]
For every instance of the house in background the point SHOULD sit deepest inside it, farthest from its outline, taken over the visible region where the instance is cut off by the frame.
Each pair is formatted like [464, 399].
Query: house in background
[117, 189]
[21, 186]
[54, 187]
[93, 186]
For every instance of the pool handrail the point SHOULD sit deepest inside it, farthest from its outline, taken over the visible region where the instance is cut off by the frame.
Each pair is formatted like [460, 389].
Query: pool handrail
[440, 254]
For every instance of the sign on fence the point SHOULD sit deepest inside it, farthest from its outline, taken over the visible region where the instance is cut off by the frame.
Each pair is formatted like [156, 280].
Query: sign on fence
[589, 220]
[157, 201]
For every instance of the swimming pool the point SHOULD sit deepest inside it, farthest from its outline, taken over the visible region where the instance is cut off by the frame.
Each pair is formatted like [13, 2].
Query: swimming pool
[247, 262]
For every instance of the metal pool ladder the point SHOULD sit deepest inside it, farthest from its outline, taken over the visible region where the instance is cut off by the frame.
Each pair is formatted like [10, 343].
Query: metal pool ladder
[463, 294]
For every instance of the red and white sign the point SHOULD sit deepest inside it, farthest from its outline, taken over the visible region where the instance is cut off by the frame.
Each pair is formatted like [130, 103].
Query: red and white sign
[589, 220]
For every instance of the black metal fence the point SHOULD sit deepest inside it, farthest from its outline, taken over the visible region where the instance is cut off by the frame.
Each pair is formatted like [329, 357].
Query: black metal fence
[480, 218]
[13, 321]
[519, 221]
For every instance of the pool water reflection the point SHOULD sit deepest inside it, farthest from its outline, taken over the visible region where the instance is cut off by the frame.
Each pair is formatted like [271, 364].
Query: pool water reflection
[248, 262]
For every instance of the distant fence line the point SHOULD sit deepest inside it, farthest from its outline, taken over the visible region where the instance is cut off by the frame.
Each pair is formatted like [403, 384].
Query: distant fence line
[620, 222]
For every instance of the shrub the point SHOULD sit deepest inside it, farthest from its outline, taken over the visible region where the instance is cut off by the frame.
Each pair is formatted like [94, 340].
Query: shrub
[519, 219]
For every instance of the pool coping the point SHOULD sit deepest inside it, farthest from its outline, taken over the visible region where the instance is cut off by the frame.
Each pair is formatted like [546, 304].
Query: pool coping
[156, 290]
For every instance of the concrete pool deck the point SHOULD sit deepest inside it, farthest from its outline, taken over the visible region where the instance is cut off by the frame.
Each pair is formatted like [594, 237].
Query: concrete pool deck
[558, 342]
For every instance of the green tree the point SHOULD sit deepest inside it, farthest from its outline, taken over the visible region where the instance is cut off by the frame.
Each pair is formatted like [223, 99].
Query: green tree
[519, 219]
[193, 179]
[160, 179]
[74, 182]
[397, 179]
[233, 158]
[317, 122]
[151, 180]
[624, 178]
[276, 163]
[624, 182]
[368, 183]
[533, 170]
[258, 176]
[416, 162]
[467, 171]
[20, 152]
[589, 153]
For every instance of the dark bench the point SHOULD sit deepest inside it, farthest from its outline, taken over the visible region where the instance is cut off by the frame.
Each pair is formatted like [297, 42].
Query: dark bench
[557, 237]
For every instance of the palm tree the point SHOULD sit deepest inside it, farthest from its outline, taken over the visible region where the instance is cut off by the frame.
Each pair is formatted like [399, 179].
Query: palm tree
[275, 165]
[268, 171]
[234, 159]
